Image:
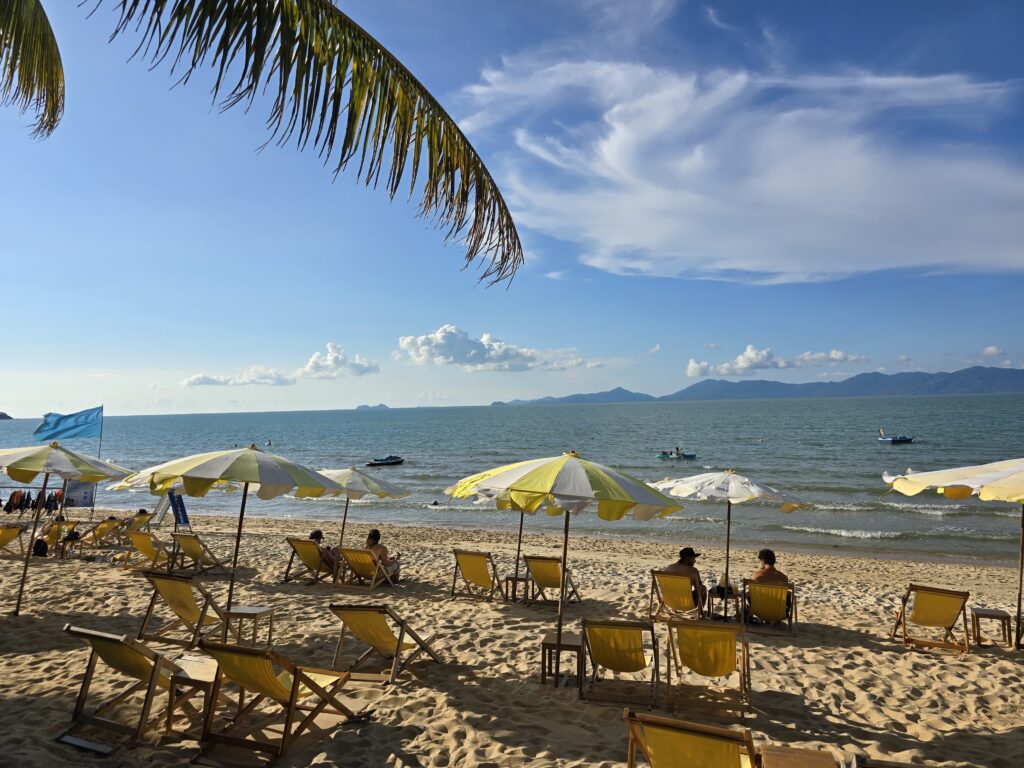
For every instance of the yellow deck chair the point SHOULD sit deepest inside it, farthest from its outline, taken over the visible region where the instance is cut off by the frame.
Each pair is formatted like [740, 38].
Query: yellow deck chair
[710, 649]
[57, 531]
[479, 575]
[364, 569]
[672, 597]
[8, 535]
[668, 743]
[369, 623]
[103, 534]
[178, 593]
[618, 647]
[134, 524]
[146, 545]
[545, 574]
[766, 602]
[196, 554]
[311, 557]
[149, 670]
[937, 609]
[270, 676]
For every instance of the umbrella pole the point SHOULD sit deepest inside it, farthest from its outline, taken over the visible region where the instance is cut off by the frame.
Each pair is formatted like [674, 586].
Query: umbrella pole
[1020, 574]
[519, 549]
[31, 543]
[238, 540]
[728, 535]
[63, 495]
[344, 519]
[561, 599]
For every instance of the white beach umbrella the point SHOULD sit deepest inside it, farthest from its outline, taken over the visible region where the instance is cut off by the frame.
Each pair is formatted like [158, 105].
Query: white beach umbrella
[732, 489]
[356, 484]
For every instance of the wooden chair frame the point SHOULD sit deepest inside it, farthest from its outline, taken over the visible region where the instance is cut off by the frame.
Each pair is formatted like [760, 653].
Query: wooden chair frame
[207, 560]
[108, 539]
[586, 691]
[751, 619]
[662, 612]
[133, 524]
[947, 641]
[17, 538]
[350, 577]
[470, 589]
[292, 707]
[56, 532]
[398, 662]
[311, 577]
[636, 721]
[161, 554]
[534, 589]
[742, 662]
[198, 630]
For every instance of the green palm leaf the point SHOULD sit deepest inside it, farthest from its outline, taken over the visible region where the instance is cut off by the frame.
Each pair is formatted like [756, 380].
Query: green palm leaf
[338, 88]
[31, 73]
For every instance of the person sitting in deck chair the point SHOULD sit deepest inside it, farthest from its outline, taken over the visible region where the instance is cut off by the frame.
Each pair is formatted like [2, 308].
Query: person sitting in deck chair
[768, 572]
[329, 554]
[686, 566]
[391, 564]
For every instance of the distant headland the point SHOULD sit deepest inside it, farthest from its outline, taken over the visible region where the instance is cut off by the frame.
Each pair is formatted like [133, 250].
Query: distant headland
[5, 417]
[978, 380]
[377, 407]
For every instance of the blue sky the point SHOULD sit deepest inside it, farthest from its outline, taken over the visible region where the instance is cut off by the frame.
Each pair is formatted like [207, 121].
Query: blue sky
[717, 189]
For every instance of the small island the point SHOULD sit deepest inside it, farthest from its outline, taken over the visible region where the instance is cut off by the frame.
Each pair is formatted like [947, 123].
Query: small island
[5, 417]
[377, 407]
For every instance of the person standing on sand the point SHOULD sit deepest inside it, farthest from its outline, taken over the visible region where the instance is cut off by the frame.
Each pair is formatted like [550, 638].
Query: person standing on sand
[686, 566]
[768, 572]
[391, 564]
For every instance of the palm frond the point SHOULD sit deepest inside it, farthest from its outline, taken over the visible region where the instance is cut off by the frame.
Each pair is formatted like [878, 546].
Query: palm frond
[31, 73]
[338, 88]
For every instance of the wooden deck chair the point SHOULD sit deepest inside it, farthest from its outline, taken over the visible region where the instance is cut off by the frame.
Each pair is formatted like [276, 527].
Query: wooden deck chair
[270, 676]
[479, 575]
[196, 555]
[668, 743]
[178, 593]
[134, 524]
[545, 573]
[617, 646]
[934, 608]
[149, 670]
[9, 534]
[311, 557]
[103, 534]
[769, 603]
[364, 569]
[710, 649]
[369, 623]
[56, 532]
[146, 545]
[672, 597]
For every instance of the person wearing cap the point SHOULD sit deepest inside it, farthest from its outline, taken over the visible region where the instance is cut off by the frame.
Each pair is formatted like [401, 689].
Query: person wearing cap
[687, 566]
[768, 572]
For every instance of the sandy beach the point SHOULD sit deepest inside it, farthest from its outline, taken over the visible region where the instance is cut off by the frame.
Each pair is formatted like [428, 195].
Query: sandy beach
[838, 683]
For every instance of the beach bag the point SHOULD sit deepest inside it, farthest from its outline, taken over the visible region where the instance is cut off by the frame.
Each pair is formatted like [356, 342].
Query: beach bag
[40, 548]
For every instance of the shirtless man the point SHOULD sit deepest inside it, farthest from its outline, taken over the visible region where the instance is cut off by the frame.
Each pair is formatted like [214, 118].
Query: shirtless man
[391, 564]
[686, 566]
[767, 572]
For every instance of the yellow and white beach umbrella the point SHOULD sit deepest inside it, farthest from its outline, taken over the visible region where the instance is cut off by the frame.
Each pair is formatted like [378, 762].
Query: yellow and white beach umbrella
[25, 464]
[270, 475]
[356, 484]
[731, 488]
[997, 481]
[565, 485]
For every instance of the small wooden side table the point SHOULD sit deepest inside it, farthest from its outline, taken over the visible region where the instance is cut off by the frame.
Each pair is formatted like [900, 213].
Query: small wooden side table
[517, 588]
[723, 595]
[253, 613]
[570, 642]
[195, 671]
[791, 757]
[978, 613]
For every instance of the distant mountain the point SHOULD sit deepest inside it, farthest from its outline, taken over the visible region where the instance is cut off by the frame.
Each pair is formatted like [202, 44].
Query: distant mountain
[978, 380]
[377, 407]
[617, 395]
[5, 417]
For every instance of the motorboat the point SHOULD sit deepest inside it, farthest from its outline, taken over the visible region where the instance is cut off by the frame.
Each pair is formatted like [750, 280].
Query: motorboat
[894, 439]
[387, 461]
[676, 455]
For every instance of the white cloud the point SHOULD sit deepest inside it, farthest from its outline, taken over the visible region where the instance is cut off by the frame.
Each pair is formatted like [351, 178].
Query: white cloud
[558, 274]
[833, 356]
[258, 375]
[696, 369]
[753, 359]
[654, 350]
[741, 175]
[319, 366]
[903, 359]
[992, 351]
[335, 362]
[450, 345]
[715, 19]
[712, 345]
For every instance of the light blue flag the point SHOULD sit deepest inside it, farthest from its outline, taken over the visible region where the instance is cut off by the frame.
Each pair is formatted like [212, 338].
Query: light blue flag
[82, 424]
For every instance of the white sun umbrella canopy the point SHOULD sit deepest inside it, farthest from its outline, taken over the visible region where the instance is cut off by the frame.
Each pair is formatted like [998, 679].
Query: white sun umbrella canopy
[731, 488]
[356, 484]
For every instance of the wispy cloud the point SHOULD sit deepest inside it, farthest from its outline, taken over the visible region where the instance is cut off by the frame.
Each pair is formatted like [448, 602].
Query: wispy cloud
[257, 375]
[993, 351]
[752, 359]
[321, 365]
[450, 345]
[716, 20]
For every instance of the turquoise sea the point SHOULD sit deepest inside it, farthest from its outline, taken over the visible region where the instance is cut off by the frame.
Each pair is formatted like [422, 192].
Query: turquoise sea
[821, 449]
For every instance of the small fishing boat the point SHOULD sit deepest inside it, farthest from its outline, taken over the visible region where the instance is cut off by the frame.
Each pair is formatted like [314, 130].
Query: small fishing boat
[894, 439]
[676, 455]
[388, 461]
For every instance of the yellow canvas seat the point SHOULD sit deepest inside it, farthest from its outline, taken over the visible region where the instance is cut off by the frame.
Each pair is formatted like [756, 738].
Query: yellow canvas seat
[9, 534]
[544, 576]
[149, 671]
[103, 534]
[672, 597]
[370, 624]
[148, 547]
[933, 608]
[668, 743]
[56, 531]
[178, 593]
[134, 524]
[710, 649]
[196, 555]
[311, 558]
[617, 647]
[364, 569]
[479, 575]
[270, 677]
[767, 602]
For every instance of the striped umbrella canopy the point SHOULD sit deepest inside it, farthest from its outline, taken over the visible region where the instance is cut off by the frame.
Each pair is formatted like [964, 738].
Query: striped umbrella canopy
[356, 485]
[732, 488]
[564, 485]
[997, 481]
[270, 475]
[23, 465]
